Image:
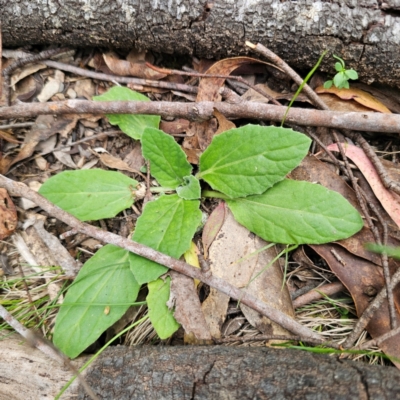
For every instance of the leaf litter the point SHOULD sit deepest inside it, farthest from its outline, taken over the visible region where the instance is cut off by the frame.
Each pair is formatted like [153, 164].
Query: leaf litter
[197, 137]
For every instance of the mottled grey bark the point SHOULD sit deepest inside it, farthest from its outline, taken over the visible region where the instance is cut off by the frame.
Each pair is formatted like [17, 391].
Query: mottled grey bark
[235, 373]
[365, 33]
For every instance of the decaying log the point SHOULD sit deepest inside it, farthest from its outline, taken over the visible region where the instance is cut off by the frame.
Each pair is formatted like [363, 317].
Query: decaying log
[26, 373]
[364, 33]
[235, 373]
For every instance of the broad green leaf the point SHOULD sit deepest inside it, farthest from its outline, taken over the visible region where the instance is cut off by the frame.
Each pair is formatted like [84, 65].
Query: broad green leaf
[339, 79]
[328, 84]
[250, 159]
[351, 74]
[294, 212]
[131, 124]
[90, 194]
[168, 163]
[99, 296]
[190, 190]
[160, 316]
[167, 224]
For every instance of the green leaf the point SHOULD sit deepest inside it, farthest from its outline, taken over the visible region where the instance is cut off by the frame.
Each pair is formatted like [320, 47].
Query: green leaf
[339, 80]
[168, 163]
[351, 74]
[167, 224]
[90, 194]
[131, 124]
[191, 188]
[338, 67]
[294, 212]
[160, 316]
[328, 84]
[345, 85]
[390, 251]
[102, 292]
[250, 159]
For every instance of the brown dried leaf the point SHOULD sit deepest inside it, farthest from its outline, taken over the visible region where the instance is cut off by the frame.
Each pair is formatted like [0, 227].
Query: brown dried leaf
[223, 123]
[175, 127]
[8, 215]
[116, 163]
[233, 256]
[358, 95]
[209, 87]
[125, 68]
[188, 308]
[213, 226]
[8, 137]
[364, 280]
[25, 71]
[389, 200]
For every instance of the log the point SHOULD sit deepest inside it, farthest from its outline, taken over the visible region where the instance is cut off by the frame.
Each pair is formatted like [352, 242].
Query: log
[364, 33]
[235, 373]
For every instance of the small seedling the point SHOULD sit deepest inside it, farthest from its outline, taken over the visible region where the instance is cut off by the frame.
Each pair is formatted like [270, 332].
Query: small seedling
[246, 167]
[341, 79]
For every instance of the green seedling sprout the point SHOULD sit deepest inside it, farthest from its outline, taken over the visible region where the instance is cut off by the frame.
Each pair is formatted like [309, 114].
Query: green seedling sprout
[341, 79]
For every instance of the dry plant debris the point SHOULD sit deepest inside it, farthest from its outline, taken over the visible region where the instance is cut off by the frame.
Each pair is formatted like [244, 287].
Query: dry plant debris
[69, 133]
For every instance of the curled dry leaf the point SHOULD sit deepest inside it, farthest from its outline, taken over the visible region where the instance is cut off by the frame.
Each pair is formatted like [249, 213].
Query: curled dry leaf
[358, 95]
[8, 215]
[188, 309]
[364, 280]
[116, 163]
[126, 68]
[389, 200]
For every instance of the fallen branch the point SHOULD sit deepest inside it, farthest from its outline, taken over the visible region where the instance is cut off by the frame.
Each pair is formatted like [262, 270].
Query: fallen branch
[364, 121]
[20, 189]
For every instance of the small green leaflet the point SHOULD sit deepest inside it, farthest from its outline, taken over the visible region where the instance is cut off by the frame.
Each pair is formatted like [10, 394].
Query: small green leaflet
[250, 159]
[102, 291]
[294, 212]
[131, 124]
[168, 163]
[190, 190]
[160, 316]
[167, 224]
[90, 194]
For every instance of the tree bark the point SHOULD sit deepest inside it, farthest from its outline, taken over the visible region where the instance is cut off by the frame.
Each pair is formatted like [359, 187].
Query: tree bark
[235, 373]
[365, 33]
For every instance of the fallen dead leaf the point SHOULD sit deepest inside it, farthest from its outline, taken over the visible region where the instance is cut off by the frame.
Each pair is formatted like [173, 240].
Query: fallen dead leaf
[213, 226]
[389, 200]
[188, 309]
[126, 68]
[8, 215]
[223, 123]
[116, 163]
[364, 280]
[358, 95]
[236, 257]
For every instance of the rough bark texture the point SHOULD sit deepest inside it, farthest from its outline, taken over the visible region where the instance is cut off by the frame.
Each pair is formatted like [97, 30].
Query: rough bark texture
[365, 33]
[235, 373]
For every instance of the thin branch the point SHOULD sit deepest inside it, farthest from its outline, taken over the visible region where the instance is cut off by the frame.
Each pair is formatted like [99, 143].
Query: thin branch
[368, 121]
[121, 79]
[318, 293]
[19, 189]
